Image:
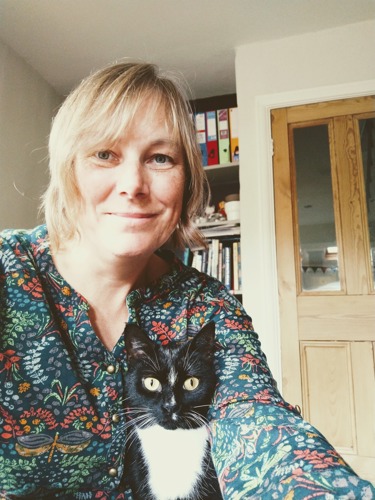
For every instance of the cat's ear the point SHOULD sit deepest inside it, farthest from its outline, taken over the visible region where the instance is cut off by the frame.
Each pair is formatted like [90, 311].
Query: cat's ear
[204, 340]
[137, 343]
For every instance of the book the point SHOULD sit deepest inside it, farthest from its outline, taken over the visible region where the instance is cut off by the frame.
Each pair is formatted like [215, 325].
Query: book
[239, 267]
[200, 126]
[220, 262]
[205, 263]
[209, 259]
[235, 266]
[197, 260]
[186, 257]
[227, 266]
[215, 258]
[233, 134]
[212, 139]
[223, 135]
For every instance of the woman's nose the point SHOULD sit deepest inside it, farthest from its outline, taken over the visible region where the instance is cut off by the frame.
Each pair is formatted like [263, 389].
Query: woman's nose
[132, 179]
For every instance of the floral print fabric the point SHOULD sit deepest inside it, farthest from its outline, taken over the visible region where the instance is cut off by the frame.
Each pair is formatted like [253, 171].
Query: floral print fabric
[62, 416]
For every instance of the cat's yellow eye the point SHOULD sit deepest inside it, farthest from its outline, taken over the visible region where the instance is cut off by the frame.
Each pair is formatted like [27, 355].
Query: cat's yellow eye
[191, 383]
[152, 384]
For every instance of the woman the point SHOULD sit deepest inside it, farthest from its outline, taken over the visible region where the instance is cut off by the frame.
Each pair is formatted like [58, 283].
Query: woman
[126, 180]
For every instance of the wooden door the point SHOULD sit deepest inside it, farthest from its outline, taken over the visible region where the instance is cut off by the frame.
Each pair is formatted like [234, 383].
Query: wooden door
[324, 190]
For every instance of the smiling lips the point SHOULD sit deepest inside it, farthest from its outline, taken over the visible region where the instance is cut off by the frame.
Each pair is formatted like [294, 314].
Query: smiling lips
[132, 215]
[132, 221]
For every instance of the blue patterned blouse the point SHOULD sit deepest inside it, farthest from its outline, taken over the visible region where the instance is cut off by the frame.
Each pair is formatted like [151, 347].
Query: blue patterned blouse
[62, 432]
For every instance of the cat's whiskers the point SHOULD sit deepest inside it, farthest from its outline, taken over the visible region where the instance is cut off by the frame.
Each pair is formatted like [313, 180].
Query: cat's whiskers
[141, 422]
[154, 367]
[132, 409]
[197, 418]
[131, 437]
[188, 362]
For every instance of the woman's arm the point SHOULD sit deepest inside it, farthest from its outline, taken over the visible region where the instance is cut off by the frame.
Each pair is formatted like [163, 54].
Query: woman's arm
[261, 446]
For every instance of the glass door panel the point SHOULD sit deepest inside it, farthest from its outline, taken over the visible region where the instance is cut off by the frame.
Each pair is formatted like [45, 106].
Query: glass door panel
[367, 135]
[319, 271]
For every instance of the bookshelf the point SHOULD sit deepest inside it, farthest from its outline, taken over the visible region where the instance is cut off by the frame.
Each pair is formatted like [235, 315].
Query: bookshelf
[223, 179]
[222, 257]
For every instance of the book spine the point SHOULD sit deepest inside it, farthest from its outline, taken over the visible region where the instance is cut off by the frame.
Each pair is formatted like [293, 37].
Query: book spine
[205, 255]
[186, 258]
[233, 131]
[197, 260]
[227, 266]
[200, 125]
[220, 262]
[235, 267]
[223, 134]
[215, 258]
[239, 267]
[212, 139]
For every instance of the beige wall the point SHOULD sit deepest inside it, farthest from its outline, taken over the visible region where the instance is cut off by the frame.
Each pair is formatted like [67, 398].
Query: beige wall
[27, 104]
[324, 65]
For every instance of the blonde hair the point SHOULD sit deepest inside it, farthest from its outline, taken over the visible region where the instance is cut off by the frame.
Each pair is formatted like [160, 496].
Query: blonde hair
[99, 110]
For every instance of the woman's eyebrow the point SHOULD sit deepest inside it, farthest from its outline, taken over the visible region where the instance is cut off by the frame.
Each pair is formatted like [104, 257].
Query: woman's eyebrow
[165, 142]
[168, 143]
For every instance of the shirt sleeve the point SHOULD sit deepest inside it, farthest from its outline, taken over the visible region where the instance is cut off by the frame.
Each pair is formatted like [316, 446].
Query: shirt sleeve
[261, 446]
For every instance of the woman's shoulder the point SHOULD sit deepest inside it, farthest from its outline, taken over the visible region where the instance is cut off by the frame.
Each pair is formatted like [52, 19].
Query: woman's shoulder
[18, 246]
[14, 236]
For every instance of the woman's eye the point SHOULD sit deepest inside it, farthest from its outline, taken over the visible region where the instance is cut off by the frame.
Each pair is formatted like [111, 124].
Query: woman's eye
[151, 384]
[104, 155]
[161, 160]
[191, 383]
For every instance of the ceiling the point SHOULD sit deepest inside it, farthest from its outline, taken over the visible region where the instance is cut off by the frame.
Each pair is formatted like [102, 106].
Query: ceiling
[64, 40]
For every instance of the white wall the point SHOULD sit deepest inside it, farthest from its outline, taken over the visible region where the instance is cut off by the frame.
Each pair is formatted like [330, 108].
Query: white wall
[329, 64]
[27, 104]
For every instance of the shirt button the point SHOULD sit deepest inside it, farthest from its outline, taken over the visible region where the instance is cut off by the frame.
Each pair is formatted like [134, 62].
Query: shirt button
[116, 418]
[112, 472]
[111, 369]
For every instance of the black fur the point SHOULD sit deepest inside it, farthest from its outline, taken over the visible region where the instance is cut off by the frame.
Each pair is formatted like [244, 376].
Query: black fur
[171, 406]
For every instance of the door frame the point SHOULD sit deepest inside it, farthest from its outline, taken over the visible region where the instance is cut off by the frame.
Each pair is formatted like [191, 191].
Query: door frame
[264, 154]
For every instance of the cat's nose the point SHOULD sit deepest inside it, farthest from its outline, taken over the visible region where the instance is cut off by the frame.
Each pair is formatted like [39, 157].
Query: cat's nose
[170, 406]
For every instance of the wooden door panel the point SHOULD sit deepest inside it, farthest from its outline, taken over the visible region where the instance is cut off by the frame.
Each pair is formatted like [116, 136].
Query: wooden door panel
[352, 208]
[323, 317]
[364, 390]
[338, 384]
[330, 109]
[327, 386]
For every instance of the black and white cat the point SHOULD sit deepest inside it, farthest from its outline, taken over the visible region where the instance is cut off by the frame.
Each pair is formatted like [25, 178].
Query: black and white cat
[169, 390]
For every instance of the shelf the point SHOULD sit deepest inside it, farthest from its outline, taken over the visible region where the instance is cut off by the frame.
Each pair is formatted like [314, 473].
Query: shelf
[219, 223]
[223, 174]
[220, 228]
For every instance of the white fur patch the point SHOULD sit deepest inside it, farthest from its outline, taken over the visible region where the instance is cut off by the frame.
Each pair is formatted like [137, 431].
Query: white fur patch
[172, 377]
[174, 458]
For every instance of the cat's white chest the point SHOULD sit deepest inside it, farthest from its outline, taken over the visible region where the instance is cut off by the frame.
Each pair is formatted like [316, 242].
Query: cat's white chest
[174, 458]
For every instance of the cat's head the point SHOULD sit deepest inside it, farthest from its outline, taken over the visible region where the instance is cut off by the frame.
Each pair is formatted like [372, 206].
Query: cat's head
[171, 385]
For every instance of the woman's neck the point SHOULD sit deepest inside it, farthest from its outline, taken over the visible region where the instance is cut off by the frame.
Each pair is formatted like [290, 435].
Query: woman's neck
[105, 283]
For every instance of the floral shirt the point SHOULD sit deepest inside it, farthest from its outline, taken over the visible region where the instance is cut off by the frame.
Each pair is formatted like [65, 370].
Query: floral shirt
[62, 417]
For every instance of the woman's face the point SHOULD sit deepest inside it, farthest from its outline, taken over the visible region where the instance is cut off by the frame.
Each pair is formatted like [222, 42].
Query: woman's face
[132, 192]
